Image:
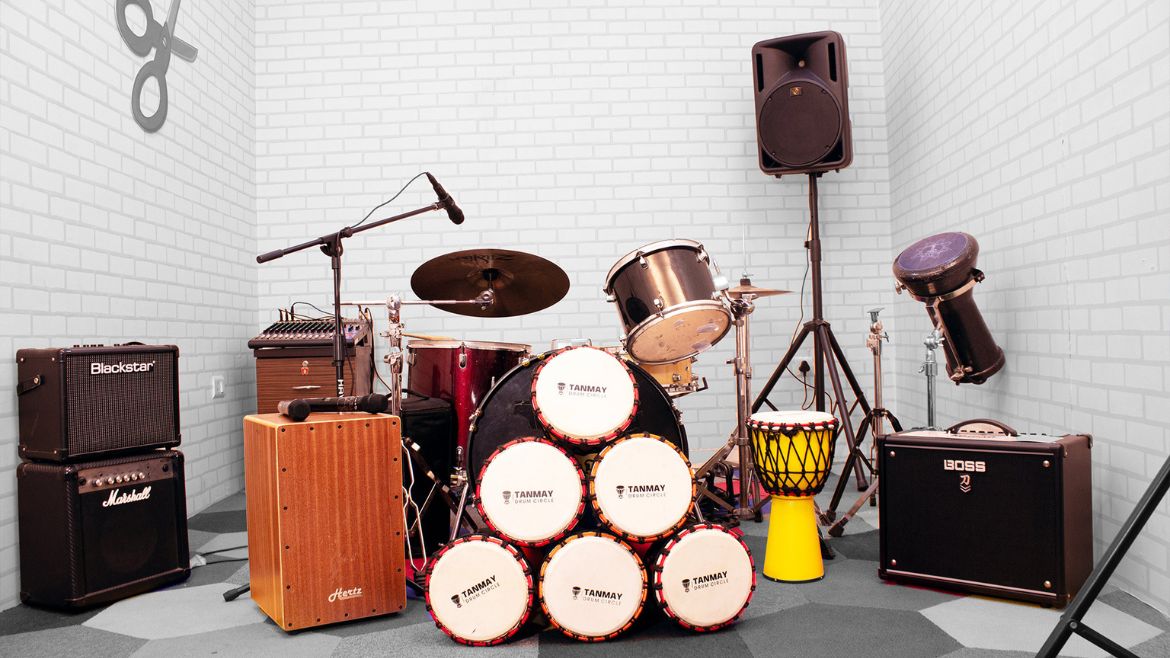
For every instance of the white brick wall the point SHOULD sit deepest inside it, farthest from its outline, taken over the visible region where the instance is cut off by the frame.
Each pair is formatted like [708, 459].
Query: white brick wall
[108, 234]
[575, 131]
[1042, 128]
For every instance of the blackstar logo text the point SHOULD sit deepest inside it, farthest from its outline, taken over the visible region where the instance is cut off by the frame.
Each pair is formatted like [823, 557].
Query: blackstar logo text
[340, 594]
[132, 497]
[119, 368]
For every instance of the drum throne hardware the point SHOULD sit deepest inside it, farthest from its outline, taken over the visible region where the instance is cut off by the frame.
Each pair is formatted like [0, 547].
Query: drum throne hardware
[747, 502]
[872, 422]
[827, 353]
[793, 452]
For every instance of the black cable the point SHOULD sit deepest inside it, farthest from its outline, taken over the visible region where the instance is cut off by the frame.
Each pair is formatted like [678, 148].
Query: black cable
[293, 309]
[387, 201]
[234, 559]
[221, 550]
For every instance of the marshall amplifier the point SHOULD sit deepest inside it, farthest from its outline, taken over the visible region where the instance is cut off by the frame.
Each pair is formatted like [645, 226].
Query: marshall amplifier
[101, 531]
[81, 402]
[993, 512]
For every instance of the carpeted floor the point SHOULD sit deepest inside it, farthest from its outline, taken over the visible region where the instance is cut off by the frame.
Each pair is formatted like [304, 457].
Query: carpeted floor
[851, 612]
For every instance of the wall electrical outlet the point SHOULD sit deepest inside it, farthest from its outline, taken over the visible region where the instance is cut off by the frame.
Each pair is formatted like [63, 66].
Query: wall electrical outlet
[217, 387]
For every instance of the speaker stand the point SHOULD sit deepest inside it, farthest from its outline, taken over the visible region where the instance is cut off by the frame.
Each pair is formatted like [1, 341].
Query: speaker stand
[827, 353]
[1070, 622]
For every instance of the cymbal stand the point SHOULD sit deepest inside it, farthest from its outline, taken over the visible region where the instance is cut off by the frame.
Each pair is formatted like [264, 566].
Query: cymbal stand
[747, 504]
[929, 367]
[873, 421]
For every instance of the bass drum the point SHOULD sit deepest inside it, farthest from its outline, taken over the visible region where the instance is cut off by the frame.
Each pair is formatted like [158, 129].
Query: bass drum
[506, 414]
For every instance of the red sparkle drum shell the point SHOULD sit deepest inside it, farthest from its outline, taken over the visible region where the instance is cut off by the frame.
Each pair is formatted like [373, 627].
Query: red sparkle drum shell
[592, 586]
[531, 492]
[703, 578]
[480, 590]
[460, 372]
[641, 488]
[584, 396]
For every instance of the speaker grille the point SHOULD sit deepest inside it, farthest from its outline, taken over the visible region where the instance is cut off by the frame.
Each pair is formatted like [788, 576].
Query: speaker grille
[800, 123]
[120, 410]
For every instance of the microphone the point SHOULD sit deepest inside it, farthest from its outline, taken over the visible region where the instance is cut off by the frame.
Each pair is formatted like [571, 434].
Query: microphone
[300, 409]
[446, 201]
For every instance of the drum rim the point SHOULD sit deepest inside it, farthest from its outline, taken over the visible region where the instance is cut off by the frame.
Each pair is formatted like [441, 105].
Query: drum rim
[670, 312]
[637, 611]
[646, 250]
[423, 343]
[526, 567]
[529, 543]
[829, 423]
[576, 440]
[659, 564]
[605, 520]
[902, 273]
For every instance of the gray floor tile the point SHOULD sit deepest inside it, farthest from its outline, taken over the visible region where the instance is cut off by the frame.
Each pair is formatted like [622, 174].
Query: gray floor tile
[228, 540]
[251, 640]
[1023, 626]
[219, 522]
[1159, 647]
[26, 619]
[824, 630]
[856, 583]
[426, 641]
[177, 612]
[988, 653]
[857, 546]
[415, 613]
[71, 641]
[232, 503]
[1126, 603]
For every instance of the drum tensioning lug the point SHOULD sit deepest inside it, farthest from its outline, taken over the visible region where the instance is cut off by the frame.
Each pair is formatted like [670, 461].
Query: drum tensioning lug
[658, 303]
[642, 261]
[610, 297]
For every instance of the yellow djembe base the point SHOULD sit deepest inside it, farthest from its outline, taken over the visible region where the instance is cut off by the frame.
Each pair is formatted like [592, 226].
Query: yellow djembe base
[793, 553]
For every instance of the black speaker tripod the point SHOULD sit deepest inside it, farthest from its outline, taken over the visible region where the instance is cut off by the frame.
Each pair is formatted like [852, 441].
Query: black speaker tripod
[827, 354]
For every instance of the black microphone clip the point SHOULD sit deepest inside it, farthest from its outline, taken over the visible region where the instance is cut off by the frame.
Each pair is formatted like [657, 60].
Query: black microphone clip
[445, 201]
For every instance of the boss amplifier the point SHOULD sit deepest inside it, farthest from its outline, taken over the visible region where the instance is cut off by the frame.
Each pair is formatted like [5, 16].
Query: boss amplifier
[82, 402]
[992, 513]
[101, 531]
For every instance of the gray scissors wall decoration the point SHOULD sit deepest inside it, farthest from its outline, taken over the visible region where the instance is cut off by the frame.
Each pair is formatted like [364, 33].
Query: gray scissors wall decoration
[162, 39]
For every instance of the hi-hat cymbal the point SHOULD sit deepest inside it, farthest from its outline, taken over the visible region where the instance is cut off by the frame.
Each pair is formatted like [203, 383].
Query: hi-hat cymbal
[522, 282]
[746, 288]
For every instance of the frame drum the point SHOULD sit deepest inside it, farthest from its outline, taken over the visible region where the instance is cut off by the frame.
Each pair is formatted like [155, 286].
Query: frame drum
[479, 590]
[531, 492]
[642, 488]
[584, 396]
[592, 586]
[704, 577]
[667, 299]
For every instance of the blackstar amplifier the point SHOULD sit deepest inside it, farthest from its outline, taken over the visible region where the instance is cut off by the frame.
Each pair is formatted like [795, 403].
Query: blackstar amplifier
[992, 513]
[81, 402]
[100, 531]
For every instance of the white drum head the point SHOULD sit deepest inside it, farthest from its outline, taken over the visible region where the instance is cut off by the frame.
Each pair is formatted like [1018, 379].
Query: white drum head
[679, 333]
[584, 395]
[706, 577]
[642, 487]
[592, 586]
[531, 491]
[479, 591]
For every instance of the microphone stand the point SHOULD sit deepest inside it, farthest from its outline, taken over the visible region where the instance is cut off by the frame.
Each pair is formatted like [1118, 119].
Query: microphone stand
[331, 246]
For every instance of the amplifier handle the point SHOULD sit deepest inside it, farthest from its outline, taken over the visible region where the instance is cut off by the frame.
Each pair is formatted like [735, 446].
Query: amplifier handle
[958, 428]
[29, 384]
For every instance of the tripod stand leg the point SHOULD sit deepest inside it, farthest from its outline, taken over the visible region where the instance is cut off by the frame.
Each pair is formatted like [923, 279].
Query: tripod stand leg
[832, 364]
[842, 482]
[780, 369]
[1070, 622]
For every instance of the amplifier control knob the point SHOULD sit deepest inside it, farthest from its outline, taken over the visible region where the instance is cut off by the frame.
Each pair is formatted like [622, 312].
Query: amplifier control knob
[98, 482]
[133, 477]
[141, 475]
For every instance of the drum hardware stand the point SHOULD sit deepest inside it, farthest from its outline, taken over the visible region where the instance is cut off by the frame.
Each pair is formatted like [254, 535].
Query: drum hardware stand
[929, 367]
[1070, 622]
[747, 503]
[827, 353]
[873, 422]
[331, 246]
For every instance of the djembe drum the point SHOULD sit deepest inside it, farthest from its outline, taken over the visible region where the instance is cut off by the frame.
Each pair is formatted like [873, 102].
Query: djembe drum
[792, 452]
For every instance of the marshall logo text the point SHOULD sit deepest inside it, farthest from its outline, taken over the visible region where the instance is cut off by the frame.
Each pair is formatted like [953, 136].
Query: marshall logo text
[121, 499]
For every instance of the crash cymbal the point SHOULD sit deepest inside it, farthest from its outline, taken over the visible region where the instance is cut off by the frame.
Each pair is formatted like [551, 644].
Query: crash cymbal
[523, 283]
[745, 287]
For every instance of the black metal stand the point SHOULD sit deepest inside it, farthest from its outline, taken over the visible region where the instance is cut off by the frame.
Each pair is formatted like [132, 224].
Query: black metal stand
[1070, 622]
[331, 246]
[837, 528]
[827, 353]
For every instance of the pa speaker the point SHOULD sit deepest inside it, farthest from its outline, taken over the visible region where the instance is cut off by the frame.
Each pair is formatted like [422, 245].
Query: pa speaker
[802, 105]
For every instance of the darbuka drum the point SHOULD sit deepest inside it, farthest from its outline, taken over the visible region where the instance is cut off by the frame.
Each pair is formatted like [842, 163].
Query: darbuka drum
[531, 492]
[666, 297]
[940, 271]
[506, 414]
[584, 396]
[677, 378]
[592, 586]
[479, 590]
[793, 452]
[642, 488]
[703, 578]
[460, 372]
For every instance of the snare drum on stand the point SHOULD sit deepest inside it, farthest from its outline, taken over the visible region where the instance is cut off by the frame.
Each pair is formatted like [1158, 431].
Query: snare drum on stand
[592, 586]
[792, 452]
[669, 301]
[479, 590]
[641, 488]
